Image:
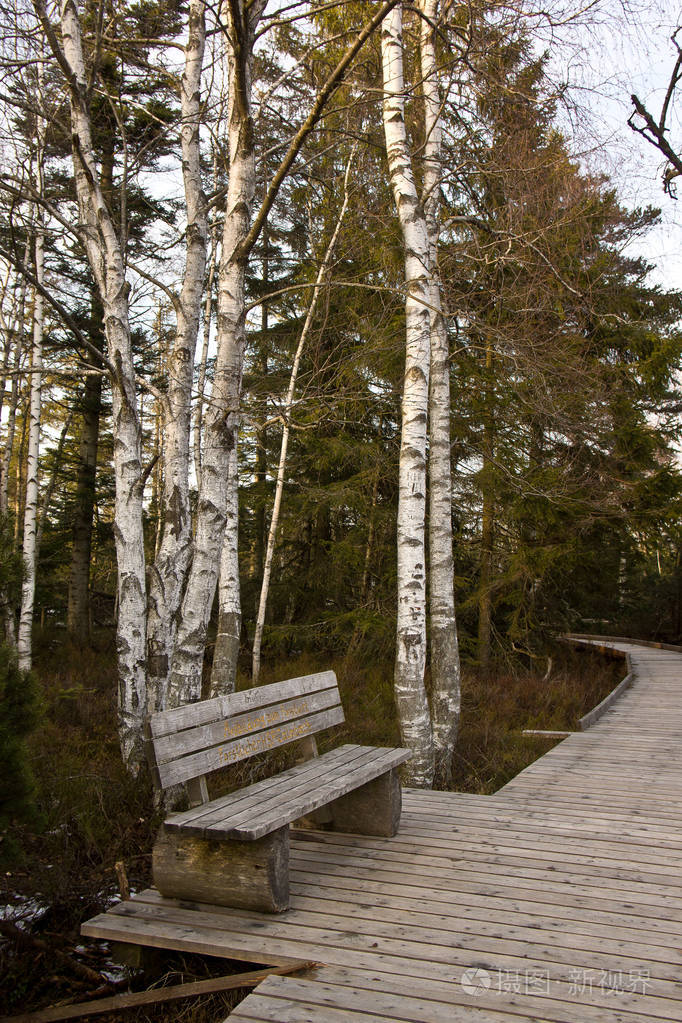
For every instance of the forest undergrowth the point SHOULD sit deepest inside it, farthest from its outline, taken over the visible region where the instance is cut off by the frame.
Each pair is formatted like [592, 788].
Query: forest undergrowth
[91, 815]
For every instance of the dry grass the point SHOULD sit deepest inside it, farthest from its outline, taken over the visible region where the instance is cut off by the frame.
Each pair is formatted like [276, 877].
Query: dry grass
[491, 749]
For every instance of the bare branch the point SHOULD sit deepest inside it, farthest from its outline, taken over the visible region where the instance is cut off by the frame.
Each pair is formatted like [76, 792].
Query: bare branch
[63, 313]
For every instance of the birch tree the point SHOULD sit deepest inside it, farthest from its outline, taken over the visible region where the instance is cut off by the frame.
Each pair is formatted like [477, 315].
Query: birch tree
[444, 653]
[239, 238]
[163, 617]
[106, 258]
[413, 709]
[106, 254]
[168, 574]
[30, 543]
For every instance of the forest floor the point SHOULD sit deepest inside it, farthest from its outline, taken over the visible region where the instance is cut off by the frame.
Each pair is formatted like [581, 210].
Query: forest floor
[61, 870]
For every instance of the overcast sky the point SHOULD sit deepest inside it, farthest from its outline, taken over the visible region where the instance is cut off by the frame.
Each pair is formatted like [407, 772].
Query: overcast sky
[621, 48]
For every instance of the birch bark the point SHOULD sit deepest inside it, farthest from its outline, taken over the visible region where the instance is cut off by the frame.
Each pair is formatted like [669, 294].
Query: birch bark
[29, 545]
[203, 359]
[106, 261]
[219, 480]
[30, 536]
[167, 575]
[412, 704]
[218, 493]
[288, 405]
[444, 653]
[226, 654]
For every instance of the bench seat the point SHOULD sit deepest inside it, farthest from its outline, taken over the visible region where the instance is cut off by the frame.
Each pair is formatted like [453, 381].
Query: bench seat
[234, 850]
[265, 806]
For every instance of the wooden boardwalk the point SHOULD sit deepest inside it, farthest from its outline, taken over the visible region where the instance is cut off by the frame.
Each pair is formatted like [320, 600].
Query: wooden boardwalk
[559, 898]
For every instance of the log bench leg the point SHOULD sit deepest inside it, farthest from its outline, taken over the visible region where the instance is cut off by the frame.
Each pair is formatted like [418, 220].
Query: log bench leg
[372, 809]
[223, 872]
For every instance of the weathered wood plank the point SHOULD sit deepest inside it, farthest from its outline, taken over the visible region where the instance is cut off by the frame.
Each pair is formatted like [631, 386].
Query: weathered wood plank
[297, 1001]
[565, 916]
[661, 998]
[436, 931]
[180, 744]
[573, 869]
[363, 763]
[585, 871]
[498, 872]
[464, 842]
[331, 942]
[380, 884]
[156, 996]
[308, 787]
[266, 787]
[193, 714]
[317, 1000]
[178, 771]
[329, 789]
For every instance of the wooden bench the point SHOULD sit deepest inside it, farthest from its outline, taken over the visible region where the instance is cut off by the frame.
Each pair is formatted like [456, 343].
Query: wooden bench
[234, 850]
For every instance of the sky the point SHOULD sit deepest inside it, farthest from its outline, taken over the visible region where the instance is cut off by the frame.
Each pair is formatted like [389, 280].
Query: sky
[616, 49]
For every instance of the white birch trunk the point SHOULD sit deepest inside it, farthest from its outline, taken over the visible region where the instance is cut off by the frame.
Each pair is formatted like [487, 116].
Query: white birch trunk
[219, 463]
[226, 653]
[106, 260]
[288, 405]
[412, 704]
[444, 654]
[167, 577]
[203, 359]
[29, 546]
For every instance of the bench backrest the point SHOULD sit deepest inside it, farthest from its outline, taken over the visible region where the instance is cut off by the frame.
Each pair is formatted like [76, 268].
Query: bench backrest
[191, 741]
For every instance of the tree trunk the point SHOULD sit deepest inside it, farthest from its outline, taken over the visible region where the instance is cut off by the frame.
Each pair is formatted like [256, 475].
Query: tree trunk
[106, 261]
[261, 467]
[78, 607]
[445, 669]
[412, 704]
[29, 546]
[13, 358]
[487, 524]
[203, 360]
[167, 577]
[218, 476]
[226, 654]
[217, 519]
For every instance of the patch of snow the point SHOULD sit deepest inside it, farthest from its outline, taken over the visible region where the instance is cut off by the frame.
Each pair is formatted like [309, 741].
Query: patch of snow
[22, 909]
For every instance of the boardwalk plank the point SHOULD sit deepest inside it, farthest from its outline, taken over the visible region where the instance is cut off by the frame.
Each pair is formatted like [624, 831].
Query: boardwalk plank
[571, 871]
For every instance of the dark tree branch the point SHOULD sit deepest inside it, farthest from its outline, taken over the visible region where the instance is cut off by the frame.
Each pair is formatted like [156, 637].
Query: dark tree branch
[655, 131]
[323, 97]
[63, 313]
